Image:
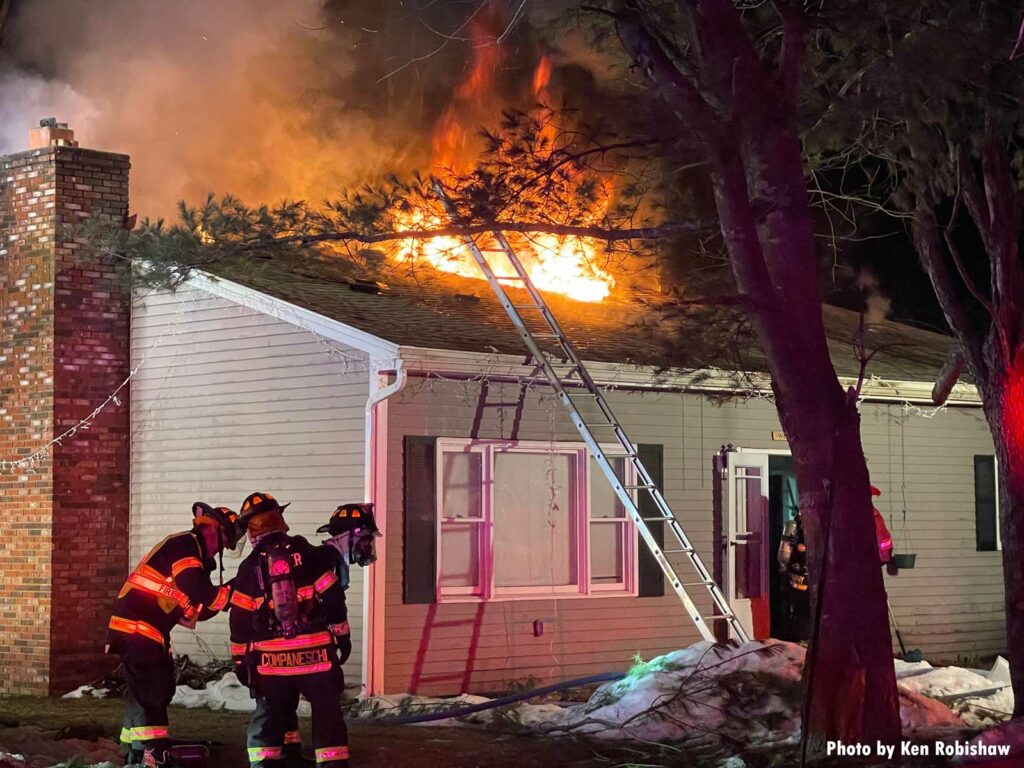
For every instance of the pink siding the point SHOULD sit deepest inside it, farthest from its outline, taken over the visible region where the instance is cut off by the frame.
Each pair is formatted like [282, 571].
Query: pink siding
[922, 461]
[479, 647]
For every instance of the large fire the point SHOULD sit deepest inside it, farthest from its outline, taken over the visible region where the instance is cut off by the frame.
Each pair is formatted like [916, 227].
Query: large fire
[556, 263]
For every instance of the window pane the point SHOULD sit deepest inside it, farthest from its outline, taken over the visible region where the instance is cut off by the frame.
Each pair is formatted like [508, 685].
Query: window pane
[603, 501]
[606, 540]
[462, 478]
[534, 530]
[460, 555]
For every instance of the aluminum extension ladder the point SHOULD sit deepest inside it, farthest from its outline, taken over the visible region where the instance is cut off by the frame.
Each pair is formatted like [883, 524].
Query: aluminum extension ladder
[644, 482]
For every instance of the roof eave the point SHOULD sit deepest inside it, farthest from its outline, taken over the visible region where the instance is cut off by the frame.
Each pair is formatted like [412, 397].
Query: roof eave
[496, 365]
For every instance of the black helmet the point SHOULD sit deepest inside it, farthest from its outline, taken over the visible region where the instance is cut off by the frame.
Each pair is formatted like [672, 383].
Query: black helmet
[259, 502]
[348, 517]
[223, 518]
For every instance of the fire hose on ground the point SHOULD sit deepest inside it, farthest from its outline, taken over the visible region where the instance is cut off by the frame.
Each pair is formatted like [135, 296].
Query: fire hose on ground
[605, 677]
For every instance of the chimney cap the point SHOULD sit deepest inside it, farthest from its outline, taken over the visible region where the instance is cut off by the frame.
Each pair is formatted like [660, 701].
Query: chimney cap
[50, 133]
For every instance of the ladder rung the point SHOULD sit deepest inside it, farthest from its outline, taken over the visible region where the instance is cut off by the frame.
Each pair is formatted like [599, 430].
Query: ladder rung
[708, 583]
[647, 486]
[721, 617]
[677, 551]
[528, 306]
[659, 519]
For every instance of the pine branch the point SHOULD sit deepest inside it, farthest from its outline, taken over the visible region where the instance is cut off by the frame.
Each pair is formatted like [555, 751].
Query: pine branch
[535, 227]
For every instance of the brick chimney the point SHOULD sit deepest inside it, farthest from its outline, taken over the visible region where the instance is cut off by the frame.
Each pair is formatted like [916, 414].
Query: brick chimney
[64, 349]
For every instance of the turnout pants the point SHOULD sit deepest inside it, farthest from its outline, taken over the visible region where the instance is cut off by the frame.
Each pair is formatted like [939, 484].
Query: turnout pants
[149, 688]
[274, 724]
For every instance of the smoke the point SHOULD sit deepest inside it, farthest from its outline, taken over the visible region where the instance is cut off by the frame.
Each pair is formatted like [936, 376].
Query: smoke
[876, 304]
[242, 96]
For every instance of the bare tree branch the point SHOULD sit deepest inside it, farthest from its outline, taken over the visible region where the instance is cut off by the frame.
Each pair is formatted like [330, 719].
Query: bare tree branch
[791, 54]
[925, 232]
[955, 252]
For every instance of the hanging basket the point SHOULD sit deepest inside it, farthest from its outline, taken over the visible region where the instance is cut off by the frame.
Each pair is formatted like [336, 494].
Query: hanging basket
[904, 560]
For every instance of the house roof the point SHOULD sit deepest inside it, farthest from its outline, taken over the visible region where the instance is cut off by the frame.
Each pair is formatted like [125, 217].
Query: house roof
[445, 312]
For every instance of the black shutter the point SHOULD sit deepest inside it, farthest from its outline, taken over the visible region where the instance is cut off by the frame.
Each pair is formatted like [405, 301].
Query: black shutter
[651, 577]
[986, 516]
[420, 543]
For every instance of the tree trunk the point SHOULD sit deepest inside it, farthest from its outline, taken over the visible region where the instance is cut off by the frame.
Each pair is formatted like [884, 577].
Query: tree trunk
[850, 688]
[1004, 409]
[746, 119]
[849, 678]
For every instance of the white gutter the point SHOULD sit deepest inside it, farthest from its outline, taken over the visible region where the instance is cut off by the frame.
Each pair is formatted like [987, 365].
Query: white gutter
[375, 491]
[621, 375]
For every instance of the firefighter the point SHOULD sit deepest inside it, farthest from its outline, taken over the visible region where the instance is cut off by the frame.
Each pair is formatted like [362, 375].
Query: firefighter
[792, 559]
[352, 530]
[885, 543]
[289, 636]
[170, 586]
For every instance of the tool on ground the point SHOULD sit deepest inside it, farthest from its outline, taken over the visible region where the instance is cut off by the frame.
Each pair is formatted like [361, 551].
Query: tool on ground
[569, 363]
[913, 654]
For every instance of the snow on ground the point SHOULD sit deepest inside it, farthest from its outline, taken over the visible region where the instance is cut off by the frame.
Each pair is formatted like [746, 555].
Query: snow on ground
[982, 699]
[745, 695]
[226, 693]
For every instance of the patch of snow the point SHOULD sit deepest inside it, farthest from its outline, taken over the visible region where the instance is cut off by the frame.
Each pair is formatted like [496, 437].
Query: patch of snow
[982, 700]
[747, 694]
[192, 698]
[228, 693]
[86, 690]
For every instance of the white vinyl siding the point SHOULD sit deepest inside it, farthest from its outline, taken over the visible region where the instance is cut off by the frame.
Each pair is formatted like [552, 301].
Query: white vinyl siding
[228, 401]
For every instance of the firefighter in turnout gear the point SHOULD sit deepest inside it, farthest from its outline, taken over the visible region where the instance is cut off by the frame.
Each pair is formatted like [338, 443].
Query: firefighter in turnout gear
[796, 601]
[170, 586]
[289, 636]
[352, 530]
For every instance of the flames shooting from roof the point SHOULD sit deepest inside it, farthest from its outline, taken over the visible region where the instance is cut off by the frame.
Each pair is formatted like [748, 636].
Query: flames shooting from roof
[555, 263]
[267, 100]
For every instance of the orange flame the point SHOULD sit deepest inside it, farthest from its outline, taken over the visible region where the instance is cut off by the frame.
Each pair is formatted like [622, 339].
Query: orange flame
[542, 75]
[554, 263]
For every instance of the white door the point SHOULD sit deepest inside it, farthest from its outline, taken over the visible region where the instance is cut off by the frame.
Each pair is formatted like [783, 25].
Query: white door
[746, 531]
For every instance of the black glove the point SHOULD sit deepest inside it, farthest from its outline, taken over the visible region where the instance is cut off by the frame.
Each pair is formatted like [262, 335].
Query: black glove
[242, 673]
[344, 647]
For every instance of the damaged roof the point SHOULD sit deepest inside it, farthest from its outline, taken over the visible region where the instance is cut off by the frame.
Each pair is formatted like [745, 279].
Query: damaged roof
[433, 310]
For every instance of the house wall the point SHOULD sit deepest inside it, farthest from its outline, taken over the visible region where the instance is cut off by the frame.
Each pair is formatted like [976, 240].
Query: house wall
[229, 401]
[949, 605]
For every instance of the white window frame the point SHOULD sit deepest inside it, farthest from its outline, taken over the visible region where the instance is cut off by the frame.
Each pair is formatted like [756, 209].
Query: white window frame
[486, 590]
